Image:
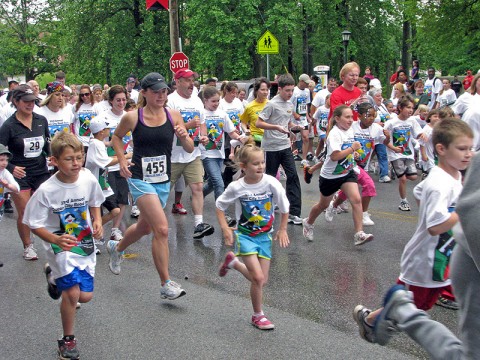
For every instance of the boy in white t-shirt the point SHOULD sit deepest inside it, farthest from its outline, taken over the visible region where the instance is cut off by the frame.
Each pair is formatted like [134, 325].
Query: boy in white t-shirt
[60, 212]
[97, 162]
[403, 129]
[427, 254]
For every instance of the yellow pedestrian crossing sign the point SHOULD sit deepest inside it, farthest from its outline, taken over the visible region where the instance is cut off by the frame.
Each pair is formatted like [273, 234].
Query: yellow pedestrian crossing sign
[268, 44]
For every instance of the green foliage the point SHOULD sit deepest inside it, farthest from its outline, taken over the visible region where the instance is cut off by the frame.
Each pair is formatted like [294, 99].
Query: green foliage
[97, 41]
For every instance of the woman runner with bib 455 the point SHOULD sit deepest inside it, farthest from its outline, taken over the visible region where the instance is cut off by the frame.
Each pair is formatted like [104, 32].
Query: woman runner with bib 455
[152, 127]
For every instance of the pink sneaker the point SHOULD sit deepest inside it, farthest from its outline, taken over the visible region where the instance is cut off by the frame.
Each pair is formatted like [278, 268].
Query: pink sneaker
[224, 267]
[262, 323]
[178, 209]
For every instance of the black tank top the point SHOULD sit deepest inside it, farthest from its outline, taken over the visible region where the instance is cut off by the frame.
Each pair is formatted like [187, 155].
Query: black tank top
[152, 150]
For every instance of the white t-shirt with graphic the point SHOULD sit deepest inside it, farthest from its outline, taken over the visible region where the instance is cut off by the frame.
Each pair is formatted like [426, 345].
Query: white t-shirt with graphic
[64, 208]
[190, 109]
[254, 204]
[319, 98]
[321, 117]
[85, 114]
[113, 120]
[338, 140]
[57, 121]
[234, 110]
[300, 100]
[401, 134]
[425, 257]
[218, 124]
[97, 161]
[368, 138]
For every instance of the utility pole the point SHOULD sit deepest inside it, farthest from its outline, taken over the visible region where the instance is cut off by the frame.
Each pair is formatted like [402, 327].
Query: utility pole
[174, 27]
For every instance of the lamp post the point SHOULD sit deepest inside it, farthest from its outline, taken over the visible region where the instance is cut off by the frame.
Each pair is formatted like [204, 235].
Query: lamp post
[346, 38]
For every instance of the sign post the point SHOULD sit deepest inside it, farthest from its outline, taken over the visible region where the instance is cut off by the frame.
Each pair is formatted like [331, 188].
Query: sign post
[178, 61]
[268, 44]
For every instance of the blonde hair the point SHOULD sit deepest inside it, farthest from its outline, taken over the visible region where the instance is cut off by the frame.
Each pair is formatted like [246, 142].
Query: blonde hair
[49, 97]
[423, 107]
[244, 154]
[349, 67]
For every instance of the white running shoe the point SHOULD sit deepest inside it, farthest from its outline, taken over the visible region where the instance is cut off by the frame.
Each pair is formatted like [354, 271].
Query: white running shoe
[116, 234]
[385, 179]
[361, 238]
[307, 230]
[116, 257]
[366, 219]
[134, 213]
[30, 253]
[171, 291]
[329, 212]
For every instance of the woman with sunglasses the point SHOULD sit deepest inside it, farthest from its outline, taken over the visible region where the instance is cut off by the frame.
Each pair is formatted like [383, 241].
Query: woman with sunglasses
[85, 110]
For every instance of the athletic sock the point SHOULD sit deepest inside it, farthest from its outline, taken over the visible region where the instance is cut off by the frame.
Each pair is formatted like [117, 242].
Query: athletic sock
[198, 219]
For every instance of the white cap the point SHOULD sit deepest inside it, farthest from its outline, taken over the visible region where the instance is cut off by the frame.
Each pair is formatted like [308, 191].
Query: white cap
[375, 83]
[304, 77]
[97, 125]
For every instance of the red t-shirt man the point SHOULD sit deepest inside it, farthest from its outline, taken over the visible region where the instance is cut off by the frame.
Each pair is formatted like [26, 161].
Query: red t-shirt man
[342, 96]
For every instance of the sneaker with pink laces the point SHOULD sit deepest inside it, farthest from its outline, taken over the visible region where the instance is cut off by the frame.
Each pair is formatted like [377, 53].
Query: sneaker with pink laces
[178, 208]
[224, 267]
[261, 322]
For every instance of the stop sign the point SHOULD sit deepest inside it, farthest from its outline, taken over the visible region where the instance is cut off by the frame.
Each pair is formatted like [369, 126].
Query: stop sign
[178, 61]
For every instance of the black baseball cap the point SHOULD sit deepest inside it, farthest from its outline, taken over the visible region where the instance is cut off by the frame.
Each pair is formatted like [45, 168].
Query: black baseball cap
[24, 92]
[154, 81]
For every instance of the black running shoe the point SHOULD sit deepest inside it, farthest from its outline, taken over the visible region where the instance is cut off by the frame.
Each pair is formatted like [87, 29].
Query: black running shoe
[7, 206]
[306, 174]
[51, 287]
[202, 230]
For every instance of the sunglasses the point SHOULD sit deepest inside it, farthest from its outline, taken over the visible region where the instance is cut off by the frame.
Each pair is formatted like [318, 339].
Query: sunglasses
[85, 94]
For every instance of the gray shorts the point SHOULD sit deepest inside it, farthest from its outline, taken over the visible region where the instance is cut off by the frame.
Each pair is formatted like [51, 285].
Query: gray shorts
[404, 167]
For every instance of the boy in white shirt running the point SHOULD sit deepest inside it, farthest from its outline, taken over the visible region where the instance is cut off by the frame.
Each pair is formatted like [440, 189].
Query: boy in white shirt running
[60, 213]
[400, 148]
[427, 255]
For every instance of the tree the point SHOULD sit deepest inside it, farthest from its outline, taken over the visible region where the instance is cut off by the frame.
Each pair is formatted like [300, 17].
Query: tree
[25, 26]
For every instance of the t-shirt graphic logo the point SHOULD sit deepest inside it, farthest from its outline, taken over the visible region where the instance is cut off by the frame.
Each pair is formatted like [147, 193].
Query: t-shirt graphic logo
[73, 221]
[401, 138]
[346, 164]
[215, 134]
[257, 215]
[195, 132]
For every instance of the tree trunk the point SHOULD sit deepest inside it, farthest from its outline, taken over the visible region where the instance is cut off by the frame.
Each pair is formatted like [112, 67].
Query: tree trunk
[138, 20]
[406, 44]
[290, 66]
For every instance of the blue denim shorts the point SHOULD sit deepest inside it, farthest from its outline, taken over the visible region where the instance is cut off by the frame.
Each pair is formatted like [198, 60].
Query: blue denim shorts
[260, 245]
[138, 188]
[77, 277]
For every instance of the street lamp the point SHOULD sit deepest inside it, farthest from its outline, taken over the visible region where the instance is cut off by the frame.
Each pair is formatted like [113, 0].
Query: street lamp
[346, 38]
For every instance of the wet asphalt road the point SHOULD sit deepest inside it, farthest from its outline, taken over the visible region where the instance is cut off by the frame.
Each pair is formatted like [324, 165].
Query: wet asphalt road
[312, 290]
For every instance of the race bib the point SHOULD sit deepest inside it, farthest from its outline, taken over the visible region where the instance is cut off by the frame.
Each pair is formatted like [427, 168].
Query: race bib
[302, 108]
[33, 146]
[154, 169]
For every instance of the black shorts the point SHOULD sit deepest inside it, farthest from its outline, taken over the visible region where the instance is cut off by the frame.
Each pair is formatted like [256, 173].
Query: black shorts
[119, 186]
[32, 182]
[331, 186]
[110, 203]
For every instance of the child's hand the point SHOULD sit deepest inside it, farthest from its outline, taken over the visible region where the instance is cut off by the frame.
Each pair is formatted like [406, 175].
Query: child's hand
[3, 182]
[424, 158]
[66, 242]
[203, 140]
[228, 236]
[282, 238]
[97, 229]
[356, 145]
